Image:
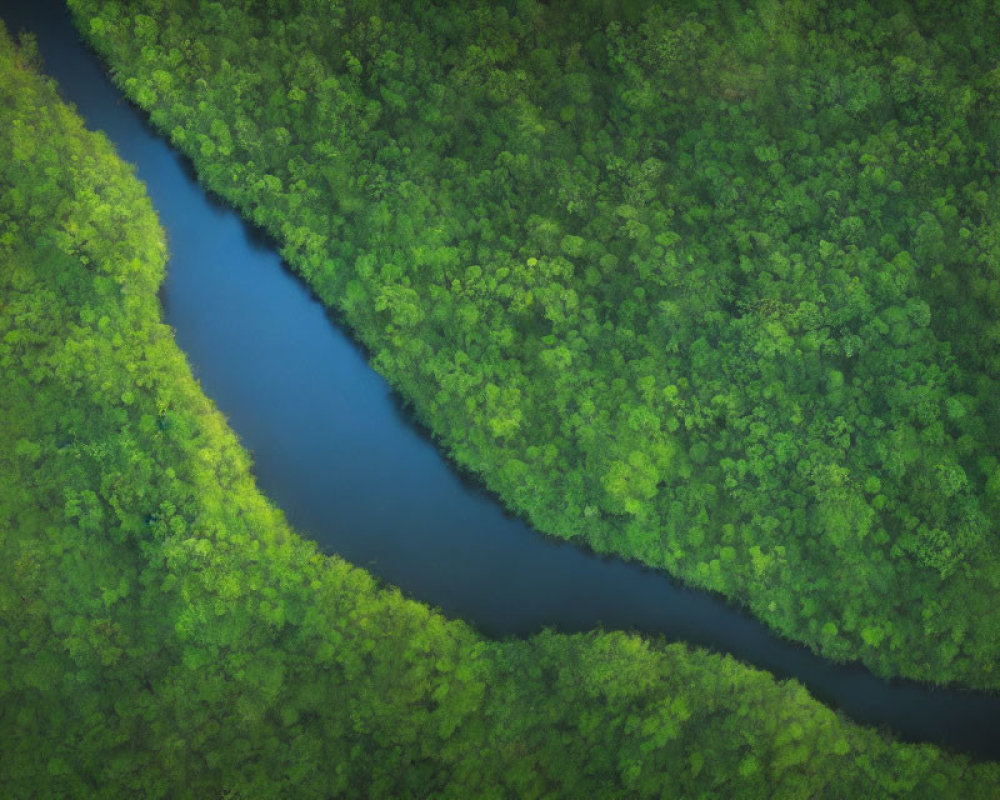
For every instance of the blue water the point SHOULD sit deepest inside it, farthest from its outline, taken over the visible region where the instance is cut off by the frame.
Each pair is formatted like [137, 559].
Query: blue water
[334, 449]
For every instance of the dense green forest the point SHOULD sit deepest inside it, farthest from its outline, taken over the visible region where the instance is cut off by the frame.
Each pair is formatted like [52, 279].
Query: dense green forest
[705, 284]
[165, 634]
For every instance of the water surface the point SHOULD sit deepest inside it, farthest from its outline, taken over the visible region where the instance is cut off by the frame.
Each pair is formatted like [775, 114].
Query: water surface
[334, 450]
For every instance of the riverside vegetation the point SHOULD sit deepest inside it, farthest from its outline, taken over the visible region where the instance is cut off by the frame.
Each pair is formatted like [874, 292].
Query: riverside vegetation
[165, 634]
[709, 286]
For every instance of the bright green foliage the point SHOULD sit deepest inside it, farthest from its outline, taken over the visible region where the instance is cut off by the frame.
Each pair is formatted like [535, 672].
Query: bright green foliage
[711, 287]
[164, 633]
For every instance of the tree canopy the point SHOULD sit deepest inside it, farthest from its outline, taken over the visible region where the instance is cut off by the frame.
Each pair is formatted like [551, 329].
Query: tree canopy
[707, 285]
[165, 634]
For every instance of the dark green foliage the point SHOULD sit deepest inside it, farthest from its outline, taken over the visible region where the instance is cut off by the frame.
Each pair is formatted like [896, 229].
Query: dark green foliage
[164, 633]
[711, 287]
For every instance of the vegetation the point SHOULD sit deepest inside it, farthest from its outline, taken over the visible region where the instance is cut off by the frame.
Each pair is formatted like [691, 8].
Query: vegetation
[710, 287]
[165, 634]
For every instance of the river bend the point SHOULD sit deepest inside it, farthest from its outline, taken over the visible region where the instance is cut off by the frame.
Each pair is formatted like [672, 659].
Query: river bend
[335, 450]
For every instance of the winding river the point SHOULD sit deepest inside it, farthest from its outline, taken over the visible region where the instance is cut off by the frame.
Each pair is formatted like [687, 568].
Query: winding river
[334, 448]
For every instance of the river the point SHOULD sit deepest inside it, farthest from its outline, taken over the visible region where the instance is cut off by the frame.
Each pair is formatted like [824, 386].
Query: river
[336, 450]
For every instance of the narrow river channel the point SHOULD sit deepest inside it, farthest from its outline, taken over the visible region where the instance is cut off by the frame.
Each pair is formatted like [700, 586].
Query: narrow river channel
[335, 450]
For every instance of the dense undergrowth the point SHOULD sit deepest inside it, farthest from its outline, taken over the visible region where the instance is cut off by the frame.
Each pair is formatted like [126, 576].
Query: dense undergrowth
[165, 634]
[708, 286]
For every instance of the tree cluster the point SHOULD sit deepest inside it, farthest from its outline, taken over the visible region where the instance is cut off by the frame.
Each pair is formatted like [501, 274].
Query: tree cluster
[706, 286]
[165, 634]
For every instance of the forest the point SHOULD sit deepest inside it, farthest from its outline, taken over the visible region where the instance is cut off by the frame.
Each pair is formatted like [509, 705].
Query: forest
[166, 634]
[708, 285]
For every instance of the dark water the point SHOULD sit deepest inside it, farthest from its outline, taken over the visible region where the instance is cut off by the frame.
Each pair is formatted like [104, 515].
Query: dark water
[334, 450]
